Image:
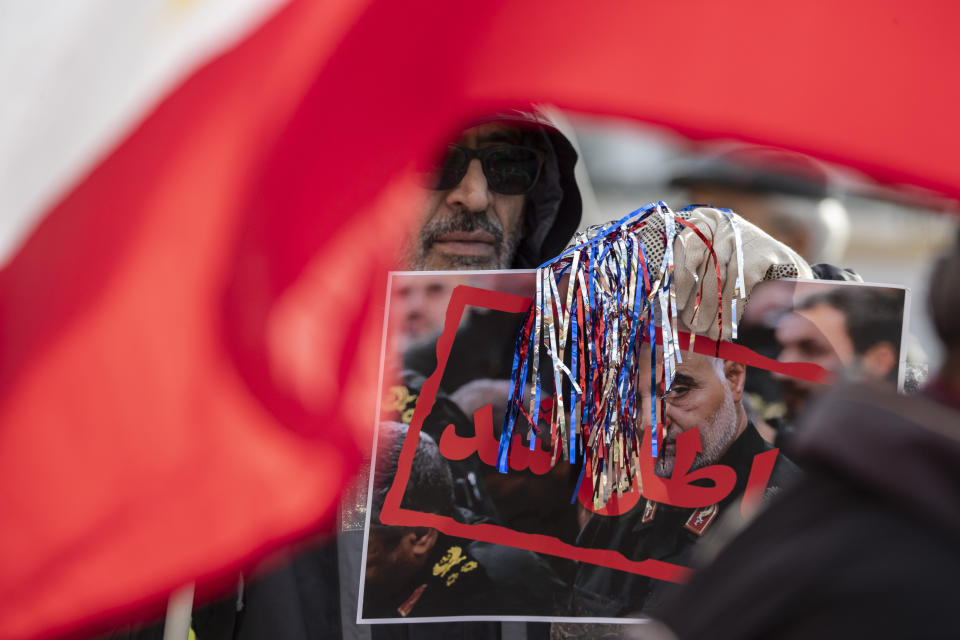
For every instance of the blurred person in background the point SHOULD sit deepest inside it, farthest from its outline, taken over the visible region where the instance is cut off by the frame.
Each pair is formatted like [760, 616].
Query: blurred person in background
[419, 308]
[867, 544]
[785, 194]
[850, 330]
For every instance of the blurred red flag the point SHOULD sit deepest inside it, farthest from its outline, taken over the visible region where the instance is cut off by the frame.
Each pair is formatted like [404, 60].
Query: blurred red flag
[189, 336]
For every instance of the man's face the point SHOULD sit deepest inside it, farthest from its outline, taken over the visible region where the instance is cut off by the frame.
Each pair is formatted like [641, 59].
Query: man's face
[421, 306]
[706, 394]
[469, 226]
[818, 335]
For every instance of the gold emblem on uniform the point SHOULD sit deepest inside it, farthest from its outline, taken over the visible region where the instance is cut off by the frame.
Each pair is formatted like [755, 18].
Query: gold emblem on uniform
[400, 401]
[450, 559]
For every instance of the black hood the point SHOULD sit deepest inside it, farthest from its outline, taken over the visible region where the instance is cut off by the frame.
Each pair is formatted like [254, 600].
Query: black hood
[553, 207]
[904, 449]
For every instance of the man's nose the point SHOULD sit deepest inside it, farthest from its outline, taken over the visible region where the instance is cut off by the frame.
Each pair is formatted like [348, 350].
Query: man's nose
[668, 414]
[472, 193]
[414, 302]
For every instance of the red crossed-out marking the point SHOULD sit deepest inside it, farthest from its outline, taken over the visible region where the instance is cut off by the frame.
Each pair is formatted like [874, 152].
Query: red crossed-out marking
[393, 514]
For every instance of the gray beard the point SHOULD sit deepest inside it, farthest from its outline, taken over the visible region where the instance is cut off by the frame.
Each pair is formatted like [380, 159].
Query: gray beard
[714, 439]
[419, 257]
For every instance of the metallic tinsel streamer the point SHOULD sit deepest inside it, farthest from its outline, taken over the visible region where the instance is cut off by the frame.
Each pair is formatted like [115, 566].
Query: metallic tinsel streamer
[612, 303]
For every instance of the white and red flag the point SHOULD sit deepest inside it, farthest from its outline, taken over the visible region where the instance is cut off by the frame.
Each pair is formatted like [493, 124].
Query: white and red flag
[191, 302]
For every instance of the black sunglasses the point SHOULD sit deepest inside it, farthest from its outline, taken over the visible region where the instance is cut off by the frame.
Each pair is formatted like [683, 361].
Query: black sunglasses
[510, 169]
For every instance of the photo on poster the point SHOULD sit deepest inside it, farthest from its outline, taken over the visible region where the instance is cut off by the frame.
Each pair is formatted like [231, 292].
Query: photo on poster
[449, 536]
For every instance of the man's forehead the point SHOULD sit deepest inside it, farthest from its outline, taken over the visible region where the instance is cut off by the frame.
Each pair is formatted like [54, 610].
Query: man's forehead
[491, 133]
[810, 324]
[692, 364]
[696, 364]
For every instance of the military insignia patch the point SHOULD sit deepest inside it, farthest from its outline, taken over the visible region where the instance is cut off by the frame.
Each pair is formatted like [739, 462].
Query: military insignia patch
[700, 519]
[649, 511]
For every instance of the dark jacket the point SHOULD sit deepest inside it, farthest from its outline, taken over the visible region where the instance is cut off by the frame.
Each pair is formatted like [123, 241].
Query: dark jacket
[867, 545]
[661, 532]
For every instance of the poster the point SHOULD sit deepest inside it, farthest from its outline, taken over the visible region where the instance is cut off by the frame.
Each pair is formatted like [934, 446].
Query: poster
[448, 536]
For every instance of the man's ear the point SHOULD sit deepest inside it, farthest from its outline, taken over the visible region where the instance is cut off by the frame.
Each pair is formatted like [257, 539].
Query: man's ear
[421, 545]
[879, 360]
[736, 375]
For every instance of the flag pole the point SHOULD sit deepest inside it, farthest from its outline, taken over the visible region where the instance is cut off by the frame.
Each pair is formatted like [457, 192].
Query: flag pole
[179, 607]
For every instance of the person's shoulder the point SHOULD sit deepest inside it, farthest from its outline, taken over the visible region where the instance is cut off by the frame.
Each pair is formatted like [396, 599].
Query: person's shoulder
[785, 473]
[859, 556]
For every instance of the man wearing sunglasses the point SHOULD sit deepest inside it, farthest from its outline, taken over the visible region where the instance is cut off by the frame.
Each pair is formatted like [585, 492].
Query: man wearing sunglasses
[503, 196]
